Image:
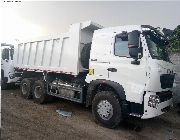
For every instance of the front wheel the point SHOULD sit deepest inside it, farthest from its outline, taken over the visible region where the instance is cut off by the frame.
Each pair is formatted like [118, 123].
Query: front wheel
[106, 109]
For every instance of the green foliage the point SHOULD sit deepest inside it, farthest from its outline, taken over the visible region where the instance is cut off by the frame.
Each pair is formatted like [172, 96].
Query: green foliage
[174, 41]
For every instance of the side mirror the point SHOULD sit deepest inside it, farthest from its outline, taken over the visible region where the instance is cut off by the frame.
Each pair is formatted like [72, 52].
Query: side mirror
[133, 52]
[6, 60]
[133, 44]
[5, 54]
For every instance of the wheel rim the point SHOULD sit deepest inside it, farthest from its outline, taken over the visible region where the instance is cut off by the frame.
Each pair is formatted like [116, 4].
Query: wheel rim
[37, 91]
[105, 109]
[24, 88]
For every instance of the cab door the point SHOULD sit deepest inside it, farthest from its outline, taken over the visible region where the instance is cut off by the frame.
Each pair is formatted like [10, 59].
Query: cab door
[122, 69]
[6, 62]
[5, 58]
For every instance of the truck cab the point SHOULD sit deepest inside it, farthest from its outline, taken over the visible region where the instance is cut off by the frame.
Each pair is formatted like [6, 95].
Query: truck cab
[7, 66]
[133, 58]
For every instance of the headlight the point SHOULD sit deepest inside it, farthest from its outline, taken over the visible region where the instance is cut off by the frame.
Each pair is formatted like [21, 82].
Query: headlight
[154, 100]
[11, 76]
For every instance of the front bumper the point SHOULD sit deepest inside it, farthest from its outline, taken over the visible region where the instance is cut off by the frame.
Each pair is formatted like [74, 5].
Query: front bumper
[162, 107]
[13, 80]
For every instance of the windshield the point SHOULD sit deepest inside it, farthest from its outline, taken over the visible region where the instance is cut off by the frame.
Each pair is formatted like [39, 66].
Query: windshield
[157, 46]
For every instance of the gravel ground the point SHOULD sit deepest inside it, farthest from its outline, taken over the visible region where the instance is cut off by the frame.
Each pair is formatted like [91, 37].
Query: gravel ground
[24, 120]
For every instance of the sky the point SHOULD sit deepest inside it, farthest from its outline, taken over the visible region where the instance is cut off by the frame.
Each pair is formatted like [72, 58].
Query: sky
[31, 19]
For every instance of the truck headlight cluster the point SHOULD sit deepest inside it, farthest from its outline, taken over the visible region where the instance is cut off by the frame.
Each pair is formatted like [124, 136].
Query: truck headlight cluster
[11, 76]
[154, 100]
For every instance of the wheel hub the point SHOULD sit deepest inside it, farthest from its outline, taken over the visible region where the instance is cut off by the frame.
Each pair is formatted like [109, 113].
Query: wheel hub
[37, 91]
[105, 110]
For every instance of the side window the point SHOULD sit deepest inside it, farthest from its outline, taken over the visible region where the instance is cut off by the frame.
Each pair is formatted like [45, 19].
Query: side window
[5, 54]
[121, 45]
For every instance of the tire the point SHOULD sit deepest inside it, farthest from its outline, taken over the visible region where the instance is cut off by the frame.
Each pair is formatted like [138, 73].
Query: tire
[26, 88]
[3, 84]
[3, 81]
[85, 55]
[39, 92]
[106, 109]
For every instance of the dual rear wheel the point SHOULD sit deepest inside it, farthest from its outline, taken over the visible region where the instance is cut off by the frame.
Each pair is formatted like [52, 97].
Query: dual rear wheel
[34, 89]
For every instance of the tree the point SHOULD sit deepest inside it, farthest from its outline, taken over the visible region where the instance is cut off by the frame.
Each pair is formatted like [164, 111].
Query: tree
[174, 40]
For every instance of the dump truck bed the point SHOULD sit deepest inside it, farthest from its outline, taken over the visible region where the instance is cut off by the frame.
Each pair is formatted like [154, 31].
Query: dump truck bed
[59, 53]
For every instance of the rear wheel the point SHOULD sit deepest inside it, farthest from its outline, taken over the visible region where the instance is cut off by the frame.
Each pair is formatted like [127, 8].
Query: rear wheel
[39, 92]
[26, 88]
[106, 109]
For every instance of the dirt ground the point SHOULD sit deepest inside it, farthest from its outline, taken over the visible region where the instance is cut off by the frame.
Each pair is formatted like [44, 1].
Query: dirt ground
[24, 120]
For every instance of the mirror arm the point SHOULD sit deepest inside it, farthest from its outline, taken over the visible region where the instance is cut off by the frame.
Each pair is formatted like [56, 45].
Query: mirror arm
[135, 62]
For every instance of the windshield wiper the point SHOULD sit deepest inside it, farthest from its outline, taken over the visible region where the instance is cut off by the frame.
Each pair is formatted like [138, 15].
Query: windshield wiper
[156, 57]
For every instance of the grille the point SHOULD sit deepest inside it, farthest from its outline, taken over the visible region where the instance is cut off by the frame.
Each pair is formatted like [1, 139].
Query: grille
[18, 74]
[164, 96]
[166, 81]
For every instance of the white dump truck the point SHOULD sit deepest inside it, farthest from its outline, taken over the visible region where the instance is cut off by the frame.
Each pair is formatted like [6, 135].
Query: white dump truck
[7, 65]
[119, 71]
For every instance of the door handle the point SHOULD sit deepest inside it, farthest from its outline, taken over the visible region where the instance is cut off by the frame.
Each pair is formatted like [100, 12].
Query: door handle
[112, 69]
[93, 59]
